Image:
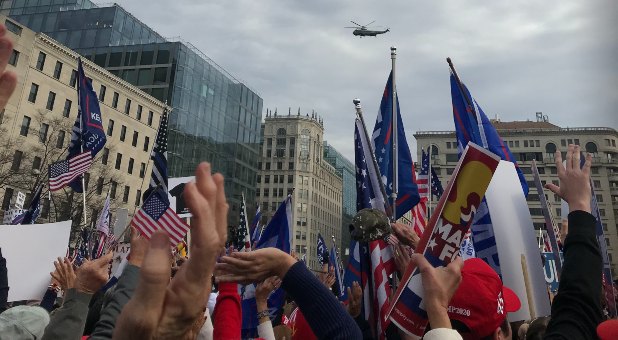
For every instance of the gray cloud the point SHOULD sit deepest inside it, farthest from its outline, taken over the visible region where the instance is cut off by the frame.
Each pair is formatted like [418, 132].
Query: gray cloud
[517, 57]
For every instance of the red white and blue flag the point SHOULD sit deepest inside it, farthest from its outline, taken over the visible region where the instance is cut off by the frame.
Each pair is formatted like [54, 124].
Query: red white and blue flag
[156, 214]
[64, 172]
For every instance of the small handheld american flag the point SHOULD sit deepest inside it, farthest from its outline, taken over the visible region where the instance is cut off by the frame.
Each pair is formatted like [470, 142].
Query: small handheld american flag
[63, 172]
[156, 214]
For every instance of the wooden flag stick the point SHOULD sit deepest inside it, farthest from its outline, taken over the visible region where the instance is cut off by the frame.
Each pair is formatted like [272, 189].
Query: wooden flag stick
[524, 268]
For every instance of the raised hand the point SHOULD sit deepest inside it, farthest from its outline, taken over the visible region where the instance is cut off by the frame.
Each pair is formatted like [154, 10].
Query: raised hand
[8, 79]
[402, 257]
[574, 181]
[139, 246]
[92, 275]
[439, 286]
[263, 289]
[405, 234]
[64, 275]
[254, 266]
[167, 310]
[355, 295]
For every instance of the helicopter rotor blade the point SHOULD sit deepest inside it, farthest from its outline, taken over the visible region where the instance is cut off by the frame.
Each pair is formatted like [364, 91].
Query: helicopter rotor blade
[370, 23]
[355, 23]
[351, 27]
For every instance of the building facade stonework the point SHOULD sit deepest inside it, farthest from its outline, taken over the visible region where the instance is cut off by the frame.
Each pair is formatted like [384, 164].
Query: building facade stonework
[43, 108]
[291, 161]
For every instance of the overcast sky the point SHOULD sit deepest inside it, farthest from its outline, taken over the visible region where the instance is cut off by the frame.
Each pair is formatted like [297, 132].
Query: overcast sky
[516, 57]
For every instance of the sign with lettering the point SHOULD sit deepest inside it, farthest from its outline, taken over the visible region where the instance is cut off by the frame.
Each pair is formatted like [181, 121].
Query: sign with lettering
[444, 234]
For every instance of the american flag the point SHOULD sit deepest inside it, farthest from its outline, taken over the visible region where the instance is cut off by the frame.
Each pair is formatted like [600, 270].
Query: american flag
[419, 212]
[243, 238]
[369, 195]
[63, 172]
[103, 222]
[159, 157]
[156, 214]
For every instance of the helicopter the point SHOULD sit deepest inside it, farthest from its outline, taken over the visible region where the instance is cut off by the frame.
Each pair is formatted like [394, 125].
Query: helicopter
[362, 31]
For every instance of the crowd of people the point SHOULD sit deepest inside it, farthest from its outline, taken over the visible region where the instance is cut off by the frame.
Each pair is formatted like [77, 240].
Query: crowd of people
[157, 297]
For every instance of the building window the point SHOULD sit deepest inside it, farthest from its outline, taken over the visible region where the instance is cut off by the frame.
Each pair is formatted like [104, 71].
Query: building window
[123, 133]
[67, 108]
[266, 192]
[259, 178]
[257, 192]
[550, 148]
[142, 170]
[40, 62]
[100, 186]
[34, 90]
[12, 27]
[25, 126]
[125, 195]
[14, 58]
[138, 197]
[118, 161]
[525, 143]
[51, 99]
[110, 127]
[150, 117]
[146, 142]
[138, 114]
[102, 91]
[290, 179]
[130, 167]
[135, 137]
[267, 166]
[36, 163]
[266, 178]
[112, 191]
[597, 184]
[452, 157]
[115, 100]
[105, 156]
[291, 166]
[73, 80]
[591, 148]
[17, 156]
[60, 140]
[43, 133]
[127, 106]
[58, 70]
[8, 195]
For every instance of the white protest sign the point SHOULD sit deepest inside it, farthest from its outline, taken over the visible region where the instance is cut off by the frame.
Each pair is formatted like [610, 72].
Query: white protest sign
[30, 251]
[120, 252]
[515, 236]
[176, 188]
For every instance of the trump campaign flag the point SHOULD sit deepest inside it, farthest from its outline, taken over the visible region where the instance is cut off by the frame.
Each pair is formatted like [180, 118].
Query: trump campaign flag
[322, 251]
[382, 140]
[472, 125]
[448, 225]
[87, 133]
[277, 235]
[333, 261]
[34, 209]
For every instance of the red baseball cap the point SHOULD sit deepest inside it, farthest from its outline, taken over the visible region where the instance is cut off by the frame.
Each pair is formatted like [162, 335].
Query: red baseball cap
[481, 301]
[607, 330]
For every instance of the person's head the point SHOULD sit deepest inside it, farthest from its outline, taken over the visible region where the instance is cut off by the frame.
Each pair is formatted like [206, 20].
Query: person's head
[537, 327]
[23, 322]
[479, 308]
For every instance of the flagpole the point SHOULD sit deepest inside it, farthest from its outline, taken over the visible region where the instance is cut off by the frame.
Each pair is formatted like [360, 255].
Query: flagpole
[394, 152]
[81, 144]
[359, 114]
[429, 195]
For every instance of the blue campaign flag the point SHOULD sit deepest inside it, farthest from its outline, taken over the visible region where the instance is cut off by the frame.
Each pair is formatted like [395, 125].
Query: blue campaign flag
[408, 195]
[87, 132]
[435, 184]
[358, 270]
[277, 232]
[277, 235]
[334, 262]
[322, 251]
[472, 125]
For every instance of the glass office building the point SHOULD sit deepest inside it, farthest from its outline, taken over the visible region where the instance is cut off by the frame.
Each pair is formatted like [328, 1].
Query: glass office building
[347, 171]
[215, 117]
